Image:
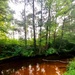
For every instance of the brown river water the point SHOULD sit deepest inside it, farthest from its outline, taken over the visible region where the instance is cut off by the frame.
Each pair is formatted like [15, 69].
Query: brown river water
[36, 66]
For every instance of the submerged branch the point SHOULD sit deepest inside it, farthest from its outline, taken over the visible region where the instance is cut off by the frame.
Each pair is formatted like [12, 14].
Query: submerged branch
[56, 61]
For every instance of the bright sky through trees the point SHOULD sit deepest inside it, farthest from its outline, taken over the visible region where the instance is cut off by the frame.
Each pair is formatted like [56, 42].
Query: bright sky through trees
[19, 7]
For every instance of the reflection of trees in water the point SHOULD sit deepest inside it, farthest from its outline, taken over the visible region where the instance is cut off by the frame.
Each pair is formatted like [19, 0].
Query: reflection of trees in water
[38, 69]
[57, 70]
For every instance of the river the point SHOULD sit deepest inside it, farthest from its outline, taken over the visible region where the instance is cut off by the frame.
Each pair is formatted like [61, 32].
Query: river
[38, 66]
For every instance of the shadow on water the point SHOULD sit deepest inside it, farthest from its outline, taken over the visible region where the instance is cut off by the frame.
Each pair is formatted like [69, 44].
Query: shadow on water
[33, 66]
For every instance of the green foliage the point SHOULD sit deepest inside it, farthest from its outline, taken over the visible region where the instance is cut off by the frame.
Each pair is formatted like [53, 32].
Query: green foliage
[63, 8]
[5, 18]
[30, 42]
[15, 48]
[71, 65]
[63, 45]
[71, 72]
[27, 53]
[48, 3]
[10, 47]
[70, 68]
[50, 51]
[73, 13]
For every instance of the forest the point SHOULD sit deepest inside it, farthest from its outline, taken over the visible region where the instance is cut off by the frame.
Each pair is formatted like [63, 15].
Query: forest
[41, 28]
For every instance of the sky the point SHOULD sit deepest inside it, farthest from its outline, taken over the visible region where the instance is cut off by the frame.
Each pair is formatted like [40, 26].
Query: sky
[19, 7]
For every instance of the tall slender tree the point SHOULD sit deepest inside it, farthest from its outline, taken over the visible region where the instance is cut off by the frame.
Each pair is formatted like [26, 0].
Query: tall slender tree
[25, 27]
[48, 26]
[41, 23]
[34, 27]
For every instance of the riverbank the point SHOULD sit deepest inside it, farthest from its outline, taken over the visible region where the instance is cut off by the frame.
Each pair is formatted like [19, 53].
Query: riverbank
[48, 57]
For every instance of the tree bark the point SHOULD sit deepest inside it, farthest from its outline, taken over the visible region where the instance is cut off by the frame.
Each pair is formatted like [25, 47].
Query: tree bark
[25, 24]
[34, 28]
[50, 23]
[41, 24]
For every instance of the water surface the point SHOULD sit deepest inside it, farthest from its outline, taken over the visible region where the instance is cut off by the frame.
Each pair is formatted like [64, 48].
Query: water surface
[34, 67]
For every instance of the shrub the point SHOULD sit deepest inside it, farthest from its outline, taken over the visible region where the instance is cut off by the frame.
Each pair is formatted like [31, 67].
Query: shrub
[63, 45]
[27, 53]
[70, 68]
[71, 72]
[11, 47]
[50, 51]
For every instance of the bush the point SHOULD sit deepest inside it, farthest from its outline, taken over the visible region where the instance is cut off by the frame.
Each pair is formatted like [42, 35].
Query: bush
[70, 68]
[27, 53]
[11, 47]
[50, 51]
[63, 45]
[71, 72]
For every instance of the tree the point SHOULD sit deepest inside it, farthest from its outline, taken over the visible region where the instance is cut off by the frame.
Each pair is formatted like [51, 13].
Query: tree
[5, 17]
[25, 24]
[40, 24]
[34, 28]
[48, 24]
[22, 22]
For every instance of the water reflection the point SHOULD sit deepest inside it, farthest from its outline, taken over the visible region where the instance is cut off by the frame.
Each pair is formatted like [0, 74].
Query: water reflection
[7, 72]
[38, 69]
[57, 70]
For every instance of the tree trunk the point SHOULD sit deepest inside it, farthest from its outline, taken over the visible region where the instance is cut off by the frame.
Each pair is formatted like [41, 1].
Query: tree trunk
[25, 24]
[47, 28]
[49, 18]
[54, 36]
[34, 28]
[41, 24]
[62, 34]
[47, 35]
